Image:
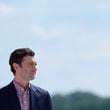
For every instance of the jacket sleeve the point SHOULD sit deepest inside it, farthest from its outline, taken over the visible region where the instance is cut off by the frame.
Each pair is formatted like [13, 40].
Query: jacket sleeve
[48, 102]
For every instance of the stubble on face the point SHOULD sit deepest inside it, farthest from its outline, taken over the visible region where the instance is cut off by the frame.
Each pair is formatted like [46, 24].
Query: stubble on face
[28, 68]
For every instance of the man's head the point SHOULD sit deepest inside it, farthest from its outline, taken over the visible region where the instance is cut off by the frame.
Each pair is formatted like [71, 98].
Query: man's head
[18, 55]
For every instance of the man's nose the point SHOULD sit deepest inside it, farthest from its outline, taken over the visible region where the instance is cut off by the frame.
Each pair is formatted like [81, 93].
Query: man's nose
[35, 68]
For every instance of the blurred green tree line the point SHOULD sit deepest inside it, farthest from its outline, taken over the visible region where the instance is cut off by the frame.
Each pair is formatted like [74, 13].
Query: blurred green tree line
[80, 101]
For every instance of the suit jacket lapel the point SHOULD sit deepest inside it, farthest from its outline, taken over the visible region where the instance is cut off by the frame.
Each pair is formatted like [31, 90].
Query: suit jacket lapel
[13, 99]
[34, 100]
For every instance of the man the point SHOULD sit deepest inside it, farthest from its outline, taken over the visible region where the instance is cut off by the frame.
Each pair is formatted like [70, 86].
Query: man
[20, 94]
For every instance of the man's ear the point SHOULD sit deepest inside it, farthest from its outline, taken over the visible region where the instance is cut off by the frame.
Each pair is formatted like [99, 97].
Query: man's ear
[15, 66]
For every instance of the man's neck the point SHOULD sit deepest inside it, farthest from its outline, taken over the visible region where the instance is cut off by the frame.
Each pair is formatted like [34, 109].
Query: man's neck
[23, 83]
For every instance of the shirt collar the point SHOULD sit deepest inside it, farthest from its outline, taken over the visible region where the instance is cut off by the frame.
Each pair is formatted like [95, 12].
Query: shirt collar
[20, 88]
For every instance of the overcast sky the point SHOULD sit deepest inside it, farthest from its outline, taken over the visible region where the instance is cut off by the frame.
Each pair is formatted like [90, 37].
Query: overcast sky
[71, 39]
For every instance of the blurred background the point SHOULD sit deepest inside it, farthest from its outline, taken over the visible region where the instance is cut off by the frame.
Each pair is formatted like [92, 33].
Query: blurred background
[71, 39]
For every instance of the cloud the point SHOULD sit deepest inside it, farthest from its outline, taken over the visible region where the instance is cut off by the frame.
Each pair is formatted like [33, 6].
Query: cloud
[46, 33]
[99, 52]
[6, 9]
[103, 7]
[63, 31]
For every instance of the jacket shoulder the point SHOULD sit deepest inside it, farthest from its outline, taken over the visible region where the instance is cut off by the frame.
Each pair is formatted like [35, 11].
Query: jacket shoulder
[38, 90]
[5, 90]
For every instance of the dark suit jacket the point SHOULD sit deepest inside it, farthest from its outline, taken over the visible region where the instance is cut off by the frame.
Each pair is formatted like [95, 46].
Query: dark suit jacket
[39, 98]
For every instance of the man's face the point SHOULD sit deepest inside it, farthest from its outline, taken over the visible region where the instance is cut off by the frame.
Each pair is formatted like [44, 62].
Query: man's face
[27, 69]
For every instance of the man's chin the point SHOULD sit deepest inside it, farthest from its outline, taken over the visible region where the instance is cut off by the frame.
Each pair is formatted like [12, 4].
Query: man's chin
[32, 78]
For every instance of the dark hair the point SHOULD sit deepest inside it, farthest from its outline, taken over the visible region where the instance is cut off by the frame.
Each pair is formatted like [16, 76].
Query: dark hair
[17, 55]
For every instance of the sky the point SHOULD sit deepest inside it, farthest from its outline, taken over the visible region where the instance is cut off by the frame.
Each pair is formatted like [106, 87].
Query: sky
[71, 39]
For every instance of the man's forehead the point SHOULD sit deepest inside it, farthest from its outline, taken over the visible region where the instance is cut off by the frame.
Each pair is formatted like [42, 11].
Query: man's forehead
[29, 58]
